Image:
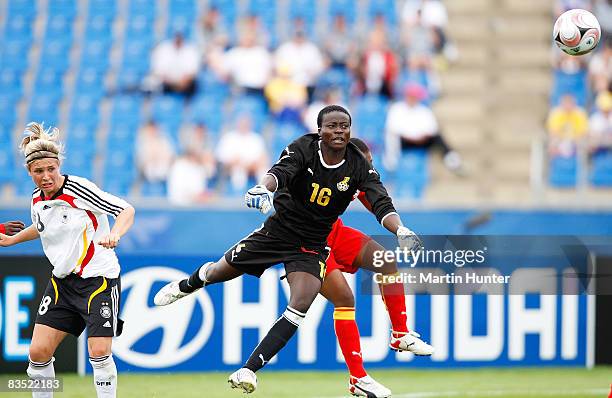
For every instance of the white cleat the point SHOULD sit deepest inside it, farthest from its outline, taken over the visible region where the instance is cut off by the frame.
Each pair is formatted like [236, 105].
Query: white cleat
[412, 343]
[368, 387]
[244, 379]
[169, 294]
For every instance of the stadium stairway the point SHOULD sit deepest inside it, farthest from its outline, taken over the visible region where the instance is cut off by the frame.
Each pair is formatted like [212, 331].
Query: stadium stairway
[495, 99]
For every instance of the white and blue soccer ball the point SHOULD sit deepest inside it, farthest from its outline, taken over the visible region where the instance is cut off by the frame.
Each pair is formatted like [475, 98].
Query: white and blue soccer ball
[577, 32]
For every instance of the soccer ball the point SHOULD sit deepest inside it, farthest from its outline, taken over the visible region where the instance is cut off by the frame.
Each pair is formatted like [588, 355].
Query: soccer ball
[577, 32]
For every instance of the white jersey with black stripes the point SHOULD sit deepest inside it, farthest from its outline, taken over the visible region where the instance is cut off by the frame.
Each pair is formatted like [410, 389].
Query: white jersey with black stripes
[70, 225]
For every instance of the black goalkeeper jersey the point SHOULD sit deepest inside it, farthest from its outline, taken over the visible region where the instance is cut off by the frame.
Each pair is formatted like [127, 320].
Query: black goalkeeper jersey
[311, 195]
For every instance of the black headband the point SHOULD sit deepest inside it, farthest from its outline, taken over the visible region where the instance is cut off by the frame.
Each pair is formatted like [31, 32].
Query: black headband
[53, 156]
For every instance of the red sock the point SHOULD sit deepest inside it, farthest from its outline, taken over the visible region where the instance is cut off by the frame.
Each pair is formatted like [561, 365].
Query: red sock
[395, 301]
[348, 337]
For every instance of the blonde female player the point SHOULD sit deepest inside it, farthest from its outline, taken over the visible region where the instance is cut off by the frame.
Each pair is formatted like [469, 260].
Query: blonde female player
[69, 215]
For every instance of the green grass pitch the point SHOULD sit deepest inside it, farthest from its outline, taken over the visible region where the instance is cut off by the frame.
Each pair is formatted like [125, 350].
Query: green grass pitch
[408, 383]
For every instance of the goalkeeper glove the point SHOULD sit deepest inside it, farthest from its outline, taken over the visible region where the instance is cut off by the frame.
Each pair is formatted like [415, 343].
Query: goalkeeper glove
[259, 197]
[408, 240]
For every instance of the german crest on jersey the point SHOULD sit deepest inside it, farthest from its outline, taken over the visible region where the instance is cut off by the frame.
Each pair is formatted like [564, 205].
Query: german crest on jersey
[343, 185]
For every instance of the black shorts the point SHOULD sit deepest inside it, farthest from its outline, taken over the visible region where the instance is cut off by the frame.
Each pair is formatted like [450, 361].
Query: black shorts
[261, 250]
[70, 304]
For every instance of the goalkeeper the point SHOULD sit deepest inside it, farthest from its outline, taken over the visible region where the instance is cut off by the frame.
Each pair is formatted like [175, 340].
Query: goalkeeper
[312, 183]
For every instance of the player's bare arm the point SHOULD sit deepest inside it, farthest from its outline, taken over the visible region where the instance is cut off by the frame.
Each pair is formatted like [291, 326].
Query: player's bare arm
[30, 233]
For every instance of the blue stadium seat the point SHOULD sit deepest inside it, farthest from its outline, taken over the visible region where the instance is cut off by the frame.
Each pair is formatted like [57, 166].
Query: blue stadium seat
[228, 10]
[6, 164]
[106, 8]
[182, 7]
[49, 79]
[369, 114]
[26, 8]
[253, 106]
[14, 54]
[563, 171]
[84, 109]
[118, 184]
[601, 169]
[343, 7]
[121, 135]
[138, 26]
[180, 23]
[44, 108]
[413, 174]
[58, 26]
[167, 107]
[154, 189]
[284, 134]
[11, 82]
[6, 136]
[65, 8]
[386, 8]
[145, 8]
[90, 81]
[8, 104]
[95, 54]
[79, 159]
[126, 109]
[99, 27]
[212, 86]
[207, 110]
[55, 54]
[18, 26]
[575, 84]
[335, 78]
[136, 55]
[130, 78]
[120, 161]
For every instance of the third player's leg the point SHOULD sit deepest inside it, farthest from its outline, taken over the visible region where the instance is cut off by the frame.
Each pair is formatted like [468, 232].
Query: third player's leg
[336, 289]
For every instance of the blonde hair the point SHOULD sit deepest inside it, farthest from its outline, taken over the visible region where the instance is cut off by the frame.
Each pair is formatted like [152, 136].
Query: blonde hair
[40, 143]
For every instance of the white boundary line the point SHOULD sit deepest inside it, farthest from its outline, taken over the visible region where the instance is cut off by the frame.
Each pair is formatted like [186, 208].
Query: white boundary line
[490, 393]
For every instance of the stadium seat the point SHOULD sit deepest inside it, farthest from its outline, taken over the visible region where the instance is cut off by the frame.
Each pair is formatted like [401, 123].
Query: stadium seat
[90, 81]
[106, 8]
[99, 27]
[146, 8]
[343, 7]
[44, 108]
[205, 109]
[18, 26]
[27, 8]
[8, 104]
[412, 174]
[14, 54]
[212, 86]
[154, 189]
[6, 164]
[79, 160]
[84, 109]
[49, 79]
[11, 82]
[121, 135]
[59, 26]
[601, 170]
[126, 109]
[55, 54]
[563, 172]
[66, 8]
[386, 8]
[180, 23]
[570, 83]
[138, 27]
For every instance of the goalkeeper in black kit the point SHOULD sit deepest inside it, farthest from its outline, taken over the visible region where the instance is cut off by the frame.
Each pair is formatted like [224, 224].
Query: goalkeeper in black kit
[312, 183]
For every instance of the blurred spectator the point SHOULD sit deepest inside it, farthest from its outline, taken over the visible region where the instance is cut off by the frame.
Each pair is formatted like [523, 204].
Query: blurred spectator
[567, 124]
[248, 65]
[210, 32]
[286, 97]
[600, 123]
[330, 96]
[600, 67]
[175, 65]
[431, 13]
[420, 40]
[339, 43]
[410, 124]
[252, 23]
[154, 153]
[189, 174]
[603, 11]
[379, 67]
[242, 153]
[564, 5]
[304, 59]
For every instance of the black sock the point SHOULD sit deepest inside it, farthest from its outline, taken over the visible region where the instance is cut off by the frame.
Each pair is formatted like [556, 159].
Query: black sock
[282, 330]
[191, 284]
